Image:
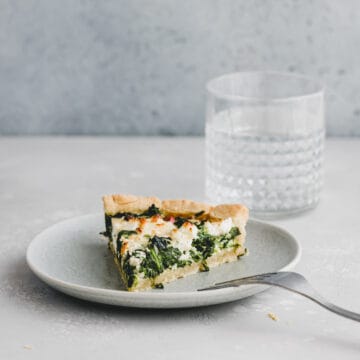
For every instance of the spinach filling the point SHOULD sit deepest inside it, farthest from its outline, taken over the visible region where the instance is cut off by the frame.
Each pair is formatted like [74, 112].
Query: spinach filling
[108, 226]
[206, 244]
[179, 222]
[160, 256]
[121, 234]
[158, 286]
[129, 271]
[151, 211]
[198, 214]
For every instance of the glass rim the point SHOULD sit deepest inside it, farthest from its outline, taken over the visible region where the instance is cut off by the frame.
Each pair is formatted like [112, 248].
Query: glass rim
[210, 87]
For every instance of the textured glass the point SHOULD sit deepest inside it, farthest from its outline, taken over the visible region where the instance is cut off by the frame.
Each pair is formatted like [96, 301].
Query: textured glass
[263, 149]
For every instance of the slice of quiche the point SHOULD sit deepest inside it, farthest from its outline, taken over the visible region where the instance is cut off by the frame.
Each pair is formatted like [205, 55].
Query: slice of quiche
[155, 242]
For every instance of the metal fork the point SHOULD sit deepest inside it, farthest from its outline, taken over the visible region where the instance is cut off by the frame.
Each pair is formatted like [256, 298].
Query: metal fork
[290, 281]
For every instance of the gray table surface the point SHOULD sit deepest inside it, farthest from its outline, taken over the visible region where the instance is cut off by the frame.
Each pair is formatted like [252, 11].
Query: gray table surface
[45, 180]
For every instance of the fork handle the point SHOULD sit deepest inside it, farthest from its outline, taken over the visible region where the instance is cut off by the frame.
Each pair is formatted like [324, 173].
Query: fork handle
[294, 282]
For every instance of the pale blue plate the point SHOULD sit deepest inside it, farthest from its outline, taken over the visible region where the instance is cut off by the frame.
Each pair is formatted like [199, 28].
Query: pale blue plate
[71, 257]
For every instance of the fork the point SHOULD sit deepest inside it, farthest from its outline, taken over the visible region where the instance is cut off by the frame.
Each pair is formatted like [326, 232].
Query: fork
[291, 281]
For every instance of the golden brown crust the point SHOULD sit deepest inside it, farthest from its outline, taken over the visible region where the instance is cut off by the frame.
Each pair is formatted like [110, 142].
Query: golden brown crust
[239, 213]
[184, 207]
[114, 204]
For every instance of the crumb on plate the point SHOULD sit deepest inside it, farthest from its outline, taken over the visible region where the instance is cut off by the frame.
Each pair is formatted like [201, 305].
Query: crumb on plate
[272, 316]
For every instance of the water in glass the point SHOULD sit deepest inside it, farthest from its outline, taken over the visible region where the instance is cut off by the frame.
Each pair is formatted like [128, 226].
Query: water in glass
[272, 172]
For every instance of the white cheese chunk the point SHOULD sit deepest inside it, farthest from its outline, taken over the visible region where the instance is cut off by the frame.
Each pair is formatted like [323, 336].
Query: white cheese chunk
[185, 256]
[158, 227]
[219, 228]
[136, 261]
[183, 237]
[226, 225]
[122, 224]
[134, 245]
[211, 228]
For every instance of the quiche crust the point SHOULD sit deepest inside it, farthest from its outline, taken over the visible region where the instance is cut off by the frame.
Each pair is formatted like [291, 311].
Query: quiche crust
[114, 204]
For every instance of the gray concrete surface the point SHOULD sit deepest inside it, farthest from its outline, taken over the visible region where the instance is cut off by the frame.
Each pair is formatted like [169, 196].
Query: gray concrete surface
[45, 180]
[139, 67]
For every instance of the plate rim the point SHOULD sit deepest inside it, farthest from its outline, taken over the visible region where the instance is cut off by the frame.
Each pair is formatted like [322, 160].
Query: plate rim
[141, 295]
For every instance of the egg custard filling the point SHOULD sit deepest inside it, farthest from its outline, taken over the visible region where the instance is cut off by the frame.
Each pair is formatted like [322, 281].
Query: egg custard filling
[159, 241]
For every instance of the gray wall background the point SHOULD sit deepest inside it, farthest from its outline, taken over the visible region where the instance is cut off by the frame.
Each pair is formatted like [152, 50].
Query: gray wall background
[139, 67]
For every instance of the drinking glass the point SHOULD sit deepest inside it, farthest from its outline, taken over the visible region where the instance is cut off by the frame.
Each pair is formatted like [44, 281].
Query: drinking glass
[264, 141]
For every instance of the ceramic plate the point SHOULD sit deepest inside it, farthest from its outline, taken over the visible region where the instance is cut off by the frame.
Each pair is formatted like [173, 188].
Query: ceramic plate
[71, 257]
